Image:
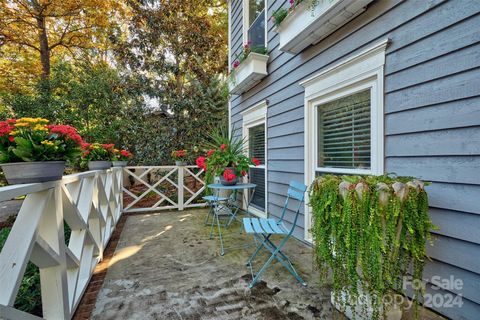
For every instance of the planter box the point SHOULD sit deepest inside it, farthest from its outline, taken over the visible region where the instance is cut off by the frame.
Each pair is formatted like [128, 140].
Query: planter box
[119, 163]
[99, 165]
[32, 172]
[304, 26]
[249, 73]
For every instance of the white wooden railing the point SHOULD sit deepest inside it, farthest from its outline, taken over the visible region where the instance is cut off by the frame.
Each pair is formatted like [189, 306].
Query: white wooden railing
[154, 188]
[91, 204]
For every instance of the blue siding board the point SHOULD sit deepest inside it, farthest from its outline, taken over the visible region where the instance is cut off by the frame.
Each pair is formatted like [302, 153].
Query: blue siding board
[448, 169]
[432, 116]
[463, 141]
[456, 224]
[449, 115]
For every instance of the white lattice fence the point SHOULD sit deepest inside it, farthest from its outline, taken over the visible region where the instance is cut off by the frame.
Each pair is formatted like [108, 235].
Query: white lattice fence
[91, 204]
[153, 188]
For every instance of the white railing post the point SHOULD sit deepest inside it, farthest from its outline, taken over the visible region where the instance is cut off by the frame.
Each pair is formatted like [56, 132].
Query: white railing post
[53, 276]
[90, 203]
[180, 188]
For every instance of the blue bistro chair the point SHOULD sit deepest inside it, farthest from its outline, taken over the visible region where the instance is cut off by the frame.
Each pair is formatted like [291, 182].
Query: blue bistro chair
[215, 203]
[265, 228]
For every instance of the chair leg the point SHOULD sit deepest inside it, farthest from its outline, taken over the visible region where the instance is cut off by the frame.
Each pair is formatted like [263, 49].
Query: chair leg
[222, 252]
[213, 221]
[276, 254]
[257, 250]
[209, 213]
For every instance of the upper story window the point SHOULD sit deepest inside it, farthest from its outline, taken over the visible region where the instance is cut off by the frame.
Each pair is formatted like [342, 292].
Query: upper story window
[254, 22]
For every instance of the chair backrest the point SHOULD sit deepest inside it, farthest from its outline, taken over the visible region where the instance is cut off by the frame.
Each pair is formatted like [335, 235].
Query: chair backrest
[296, 190]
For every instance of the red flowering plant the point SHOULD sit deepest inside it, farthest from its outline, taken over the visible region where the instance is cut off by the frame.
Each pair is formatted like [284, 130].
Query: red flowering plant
[179, 155]
[225, 157]
[121, 155]
[34, 139]
[97, 151]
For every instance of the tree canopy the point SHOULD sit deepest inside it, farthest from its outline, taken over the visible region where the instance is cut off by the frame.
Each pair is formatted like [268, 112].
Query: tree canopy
[119, 71]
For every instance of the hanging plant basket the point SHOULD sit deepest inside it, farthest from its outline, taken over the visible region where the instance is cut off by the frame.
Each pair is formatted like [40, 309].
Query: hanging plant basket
[31, 172]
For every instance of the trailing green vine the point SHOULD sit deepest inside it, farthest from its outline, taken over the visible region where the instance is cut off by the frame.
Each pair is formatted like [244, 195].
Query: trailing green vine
[368, 231]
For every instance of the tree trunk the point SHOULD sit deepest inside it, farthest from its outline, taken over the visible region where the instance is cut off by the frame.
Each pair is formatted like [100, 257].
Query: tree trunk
[44, 49]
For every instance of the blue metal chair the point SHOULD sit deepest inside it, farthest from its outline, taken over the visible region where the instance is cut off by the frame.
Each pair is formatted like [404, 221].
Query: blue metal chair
[214, 203]
[261, 227]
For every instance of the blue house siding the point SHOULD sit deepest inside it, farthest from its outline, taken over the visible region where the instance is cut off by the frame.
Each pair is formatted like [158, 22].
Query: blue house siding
[432, 116]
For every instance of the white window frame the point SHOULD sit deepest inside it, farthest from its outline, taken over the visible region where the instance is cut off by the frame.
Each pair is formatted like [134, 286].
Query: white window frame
[252, 117]
[246, 19]
[362, 71]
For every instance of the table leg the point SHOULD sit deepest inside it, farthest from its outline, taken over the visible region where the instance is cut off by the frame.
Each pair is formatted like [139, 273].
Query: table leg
[222, 251]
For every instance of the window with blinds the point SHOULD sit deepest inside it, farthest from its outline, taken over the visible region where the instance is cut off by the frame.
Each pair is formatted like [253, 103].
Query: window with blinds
[256, 149]
[344, 132]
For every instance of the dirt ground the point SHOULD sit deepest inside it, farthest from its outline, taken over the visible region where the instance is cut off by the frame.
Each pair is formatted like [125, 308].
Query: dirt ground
[165, 267]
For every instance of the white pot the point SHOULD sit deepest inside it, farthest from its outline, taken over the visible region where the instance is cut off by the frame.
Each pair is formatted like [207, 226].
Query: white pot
[394, 313]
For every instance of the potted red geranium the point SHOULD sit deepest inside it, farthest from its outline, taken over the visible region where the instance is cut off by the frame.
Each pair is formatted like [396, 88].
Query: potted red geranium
[31, 150]
[180, 157]
[98, 156]
[121, 157]
[226, 159]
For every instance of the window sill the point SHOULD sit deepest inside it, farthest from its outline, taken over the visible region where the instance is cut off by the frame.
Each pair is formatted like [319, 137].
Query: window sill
[249, 73]
[303, 27]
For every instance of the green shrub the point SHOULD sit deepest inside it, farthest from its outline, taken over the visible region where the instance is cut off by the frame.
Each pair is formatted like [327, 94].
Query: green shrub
[28, 297]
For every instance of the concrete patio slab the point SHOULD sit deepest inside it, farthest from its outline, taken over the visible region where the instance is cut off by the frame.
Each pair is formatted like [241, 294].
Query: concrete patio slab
[165, 267]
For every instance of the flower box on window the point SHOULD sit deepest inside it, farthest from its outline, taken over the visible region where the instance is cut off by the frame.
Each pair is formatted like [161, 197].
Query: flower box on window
[249, 73]
[305, 25]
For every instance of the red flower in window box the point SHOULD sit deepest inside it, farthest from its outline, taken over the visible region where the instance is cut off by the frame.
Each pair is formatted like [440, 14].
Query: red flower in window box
[256, 162]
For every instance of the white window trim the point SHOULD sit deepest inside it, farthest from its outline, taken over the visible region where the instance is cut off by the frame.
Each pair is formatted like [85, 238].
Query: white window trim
[246, 18]
[229, 4]
[252, 117]
[363, 70]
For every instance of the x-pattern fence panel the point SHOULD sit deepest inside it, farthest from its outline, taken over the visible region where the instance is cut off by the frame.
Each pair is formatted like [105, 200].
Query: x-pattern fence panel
[153, 188]
[90, 204]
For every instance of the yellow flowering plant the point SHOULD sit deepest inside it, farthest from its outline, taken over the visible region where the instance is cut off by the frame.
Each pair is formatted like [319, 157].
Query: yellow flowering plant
[34, 139]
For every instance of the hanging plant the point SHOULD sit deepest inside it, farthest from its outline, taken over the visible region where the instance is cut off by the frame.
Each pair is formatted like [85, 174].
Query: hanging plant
[369, 231]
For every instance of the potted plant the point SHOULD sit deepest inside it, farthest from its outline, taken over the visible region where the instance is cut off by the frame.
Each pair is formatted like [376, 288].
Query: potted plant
[180, 157]
[226, 158]
[98, 156]
[121, 157]
[248, 68]
[369, 234]
[31, 150]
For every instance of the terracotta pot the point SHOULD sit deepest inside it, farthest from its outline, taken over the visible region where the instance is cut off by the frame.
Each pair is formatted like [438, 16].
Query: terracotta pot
[99, 165]
[31, 172]
[119, 163]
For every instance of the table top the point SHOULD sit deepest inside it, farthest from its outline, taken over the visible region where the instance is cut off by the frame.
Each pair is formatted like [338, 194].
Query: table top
[238, 186]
